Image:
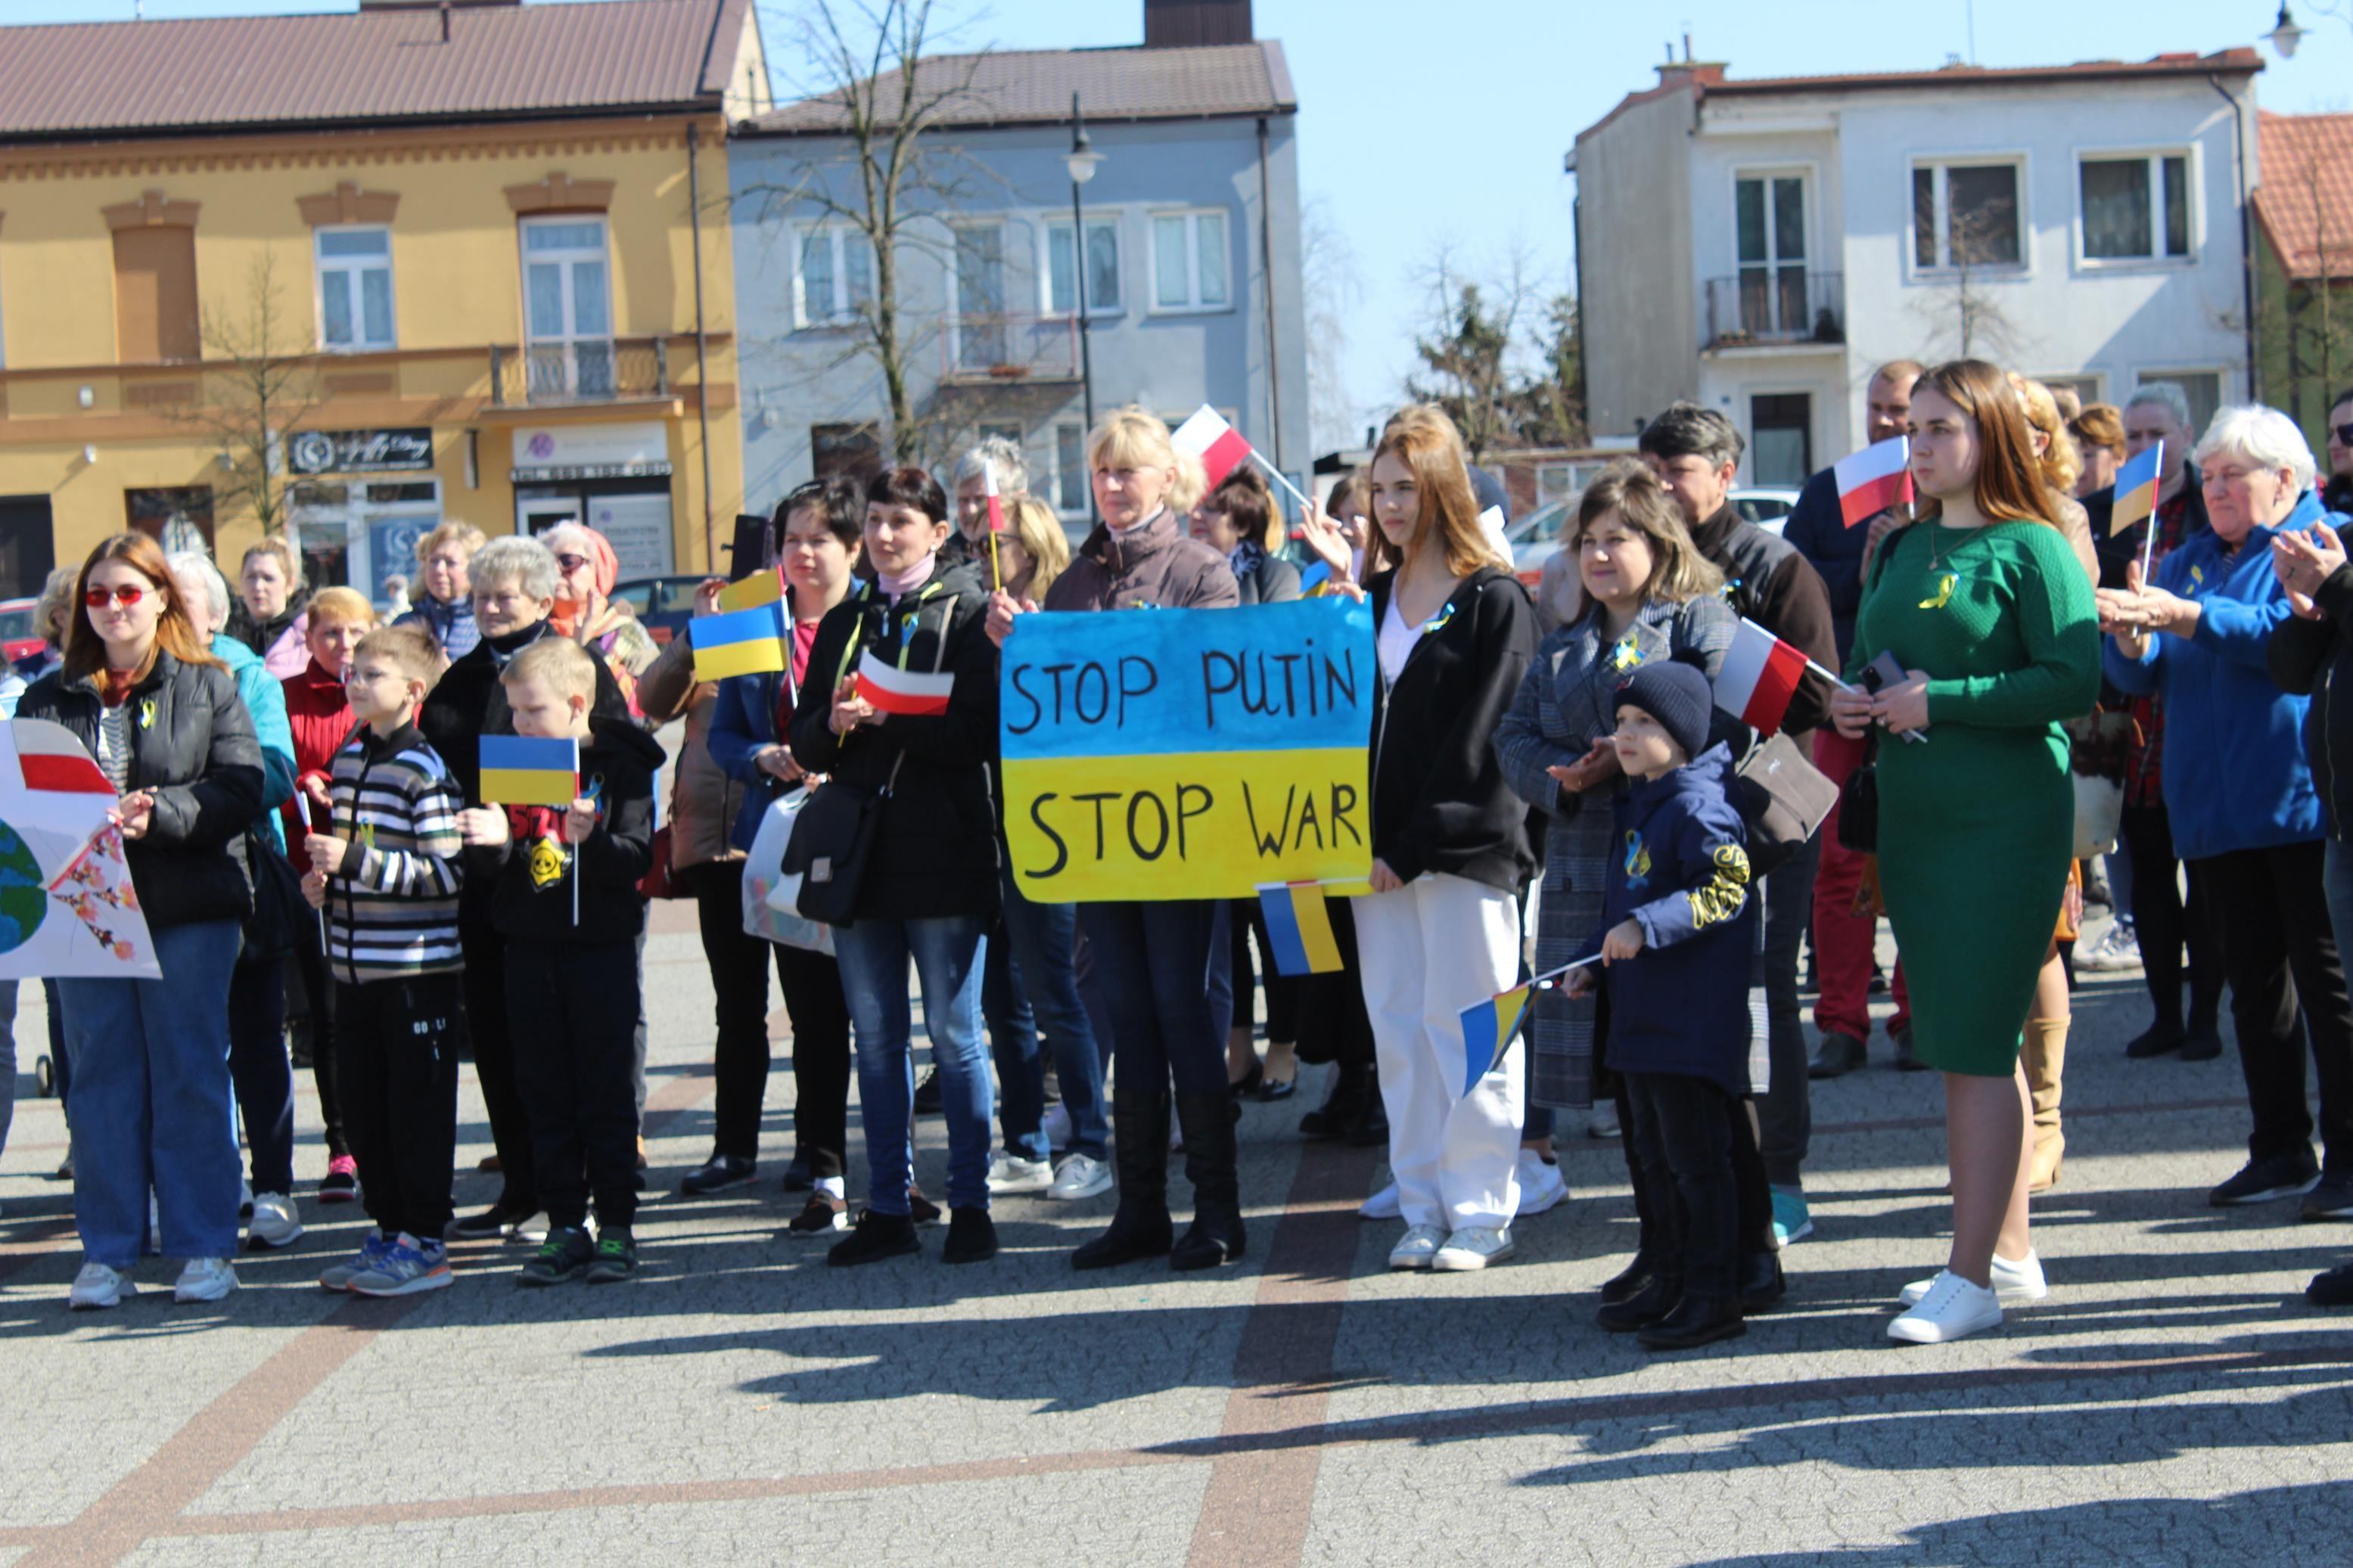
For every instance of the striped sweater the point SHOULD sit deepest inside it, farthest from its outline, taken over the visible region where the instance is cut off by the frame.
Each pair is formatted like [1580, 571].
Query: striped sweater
[392, 905]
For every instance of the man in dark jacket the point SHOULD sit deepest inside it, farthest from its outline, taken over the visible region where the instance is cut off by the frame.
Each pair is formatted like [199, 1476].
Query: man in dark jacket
[1696, 451]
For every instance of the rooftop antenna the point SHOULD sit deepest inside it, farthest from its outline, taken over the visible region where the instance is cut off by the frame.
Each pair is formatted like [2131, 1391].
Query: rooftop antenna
[1969, 9]
[1686, 43]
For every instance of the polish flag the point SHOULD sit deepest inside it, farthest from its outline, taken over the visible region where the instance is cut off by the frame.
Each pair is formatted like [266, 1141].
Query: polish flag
[47, 756]
[1218, 445]
[895, 690]
[996, 505]
[1872, 481]
[1759, 676]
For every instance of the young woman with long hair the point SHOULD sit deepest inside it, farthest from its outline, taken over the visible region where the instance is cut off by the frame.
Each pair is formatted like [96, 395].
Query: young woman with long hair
[1985, 608]
[152, 1091]
[1441, 929]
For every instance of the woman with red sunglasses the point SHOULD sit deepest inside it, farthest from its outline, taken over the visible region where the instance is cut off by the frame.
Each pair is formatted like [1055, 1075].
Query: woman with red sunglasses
[162, 715]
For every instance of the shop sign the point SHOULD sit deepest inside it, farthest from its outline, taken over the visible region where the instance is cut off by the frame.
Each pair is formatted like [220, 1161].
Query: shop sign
[638, 449]
[361, 451]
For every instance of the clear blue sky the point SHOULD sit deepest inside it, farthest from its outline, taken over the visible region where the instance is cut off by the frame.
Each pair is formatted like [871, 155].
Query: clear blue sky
[1423, 120]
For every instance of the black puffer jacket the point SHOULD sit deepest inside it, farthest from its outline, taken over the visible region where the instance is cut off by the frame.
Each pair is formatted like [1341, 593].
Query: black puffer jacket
[2305, 659]
[192, 746]
[936, 851]
[1440, 801]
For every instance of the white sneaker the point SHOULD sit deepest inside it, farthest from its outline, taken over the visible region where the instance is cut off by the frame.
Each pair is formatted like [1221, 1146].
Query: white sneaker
[1383, 1205]
[1056, 1126]
[529, 1231]
[1541, 1186]
[205, 1279]
[273, 1223]
[2015, 1283]
[1472, 1247]
[2118, 948]
[1012, 1174]
[1953, 1309]
[1603, 1121]
[97, 1287]
[1078, 1176]
[1418, 1245]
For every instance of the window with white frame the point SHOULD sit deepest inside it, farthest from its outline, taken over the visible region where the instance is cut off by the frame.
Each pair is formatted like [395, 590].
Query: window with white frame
[1966, 213]
[2202, 389]
[1102, 268]
[355, 289]
[1191, 266]
[568, 306]
[2134, 206]
[1070, 468]
[833, 275]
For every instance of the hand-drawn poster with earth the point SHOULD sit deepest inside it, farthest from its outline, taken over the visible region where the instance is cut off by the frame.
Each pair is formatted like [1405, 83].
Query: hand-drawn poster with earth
[66, 904]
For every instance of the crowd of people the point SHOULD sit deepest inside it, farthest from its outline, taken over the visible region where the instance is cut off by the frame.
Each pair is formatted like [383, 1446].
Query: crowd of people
[1553, 792]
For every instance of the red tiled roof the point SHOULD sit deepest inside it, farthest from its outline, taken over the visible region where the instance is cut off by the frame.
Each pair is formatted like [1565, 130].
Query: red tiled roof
[1709, 81]
[2307, 191]
[1033, 86]
[246, 73]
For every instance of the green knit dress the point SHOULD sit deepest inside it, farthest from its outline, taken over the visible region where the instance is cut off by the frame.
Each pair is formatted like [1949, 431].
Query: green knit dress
[1977, 824]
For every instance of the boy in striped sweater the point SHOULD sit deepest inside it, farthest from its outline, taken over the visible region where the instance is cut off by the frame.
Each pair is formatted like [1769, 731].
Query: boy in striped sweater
[385, 875]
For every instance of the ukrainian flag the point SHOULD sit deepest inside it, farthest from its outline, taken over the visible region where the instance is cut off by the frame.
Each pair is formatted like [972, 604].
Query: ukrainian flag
[2137, 481]
[524, 770]
[741, 642]
[1487, 1030]
[762, 587]
[1299, 928]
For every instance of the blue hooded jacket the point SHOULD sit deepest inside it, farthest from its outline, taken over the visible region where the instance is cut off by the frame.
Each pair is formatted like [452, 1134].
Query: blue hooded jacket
[265, 698]
[2235, 772]
[1679, 869]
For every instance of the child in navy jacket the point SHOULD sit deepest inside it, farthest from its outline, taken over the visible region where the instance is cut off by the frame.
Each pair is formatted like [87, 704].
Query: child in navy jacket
[1675, 942]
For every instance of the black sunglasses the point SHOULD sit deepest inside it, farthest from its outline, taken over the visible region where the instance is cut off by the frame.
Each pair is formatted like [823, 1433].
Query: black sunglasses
[2345, 434]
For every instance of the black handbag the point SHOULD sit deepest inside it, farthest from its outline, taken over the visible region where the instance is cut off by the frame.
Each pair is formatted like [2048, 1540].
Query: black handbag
[833, 840]
[1858, 823]
[281, 913]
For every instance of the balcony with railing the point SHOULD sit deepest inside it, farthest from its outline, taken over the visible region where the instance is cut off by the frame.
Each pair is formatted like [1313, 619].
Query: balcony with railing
[1776, 305]
[1010, 348]
[580, 371]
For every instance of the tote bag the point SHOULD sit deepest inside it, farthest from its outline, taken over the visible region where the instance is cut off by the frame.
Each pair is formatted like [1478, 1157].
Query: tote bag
[771, 896]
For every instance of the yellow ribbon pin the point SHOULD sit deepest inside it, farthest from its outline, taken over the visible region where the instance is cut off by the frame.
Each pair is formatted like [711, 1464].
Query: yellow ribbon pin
[1944, 586]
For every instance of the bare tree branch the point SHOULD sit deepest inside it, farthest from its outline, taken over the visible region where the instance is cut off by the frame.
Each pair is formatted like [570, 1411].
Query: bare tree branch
[261, 381]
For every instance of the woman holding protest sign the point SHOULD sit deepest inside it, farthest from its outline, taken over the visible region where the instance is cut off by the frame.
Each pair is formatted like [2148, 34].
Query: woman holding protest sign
[1156, 963]
[1441, 929]
[162, 715]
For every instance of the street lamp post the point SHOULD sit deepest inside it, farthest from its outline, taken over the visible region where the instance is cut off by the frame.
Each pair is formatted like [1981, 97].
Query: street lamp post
[1081, 162]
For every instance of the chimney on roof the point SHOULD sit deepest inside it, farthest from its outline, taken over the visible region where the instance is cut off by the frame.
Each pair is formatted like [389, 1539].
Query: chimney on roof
[1181, 24]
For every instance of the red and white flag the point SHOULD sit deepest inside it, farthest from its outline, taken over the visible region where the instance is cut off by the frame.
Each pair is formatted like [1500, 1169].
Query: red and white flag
[1218, 445]
[996, 505]
[895, 690]
[1759, 676]
[45, 756]
[1872, 481]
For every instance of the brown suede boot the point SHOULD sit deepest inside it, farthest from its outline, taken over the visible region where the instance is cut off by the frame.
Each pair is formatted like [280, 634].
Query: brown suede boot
[2045, 1059]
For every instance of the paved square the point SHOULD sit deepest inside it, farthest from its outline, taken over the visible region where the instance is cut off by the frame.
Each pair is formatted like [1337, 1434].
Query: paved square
[2173, 1403]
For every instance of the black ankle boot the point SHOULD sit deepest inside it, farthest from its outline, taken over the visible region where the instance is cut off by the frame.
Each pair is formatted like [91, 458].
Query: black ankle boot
[1140, 1227]
[1370, 1129]
[1630, 1281]
[1696, 1321]
[1216, 1235]
[1646, 1306]
[1341, 1105]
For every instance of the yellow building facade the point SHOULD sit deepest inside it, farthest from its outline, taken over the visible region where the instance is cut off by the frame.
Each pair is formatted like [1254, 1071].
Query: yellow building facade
[362, 332]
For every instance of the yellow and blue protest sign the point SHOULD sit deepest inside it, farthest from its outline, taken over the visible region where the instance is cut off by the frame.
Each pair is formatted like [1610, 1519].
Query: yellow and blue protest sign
[1188, 753]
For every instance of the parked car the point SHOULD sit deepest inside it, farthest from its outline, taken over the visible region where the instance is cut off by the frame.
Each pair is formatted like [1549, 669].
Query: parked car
[663, 604]
[19, 640]
[1768, 508]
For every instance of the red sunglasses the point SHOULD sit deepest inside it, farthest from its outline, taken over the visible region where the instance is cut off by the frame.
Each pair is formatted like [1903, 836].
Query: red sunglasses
[124, 594]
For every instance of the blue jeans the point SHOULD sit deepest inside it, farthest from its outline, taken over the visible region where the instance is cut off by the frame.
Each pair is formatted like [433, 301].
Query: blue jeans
[949, 957]
[1041, 941]
[152, 1101]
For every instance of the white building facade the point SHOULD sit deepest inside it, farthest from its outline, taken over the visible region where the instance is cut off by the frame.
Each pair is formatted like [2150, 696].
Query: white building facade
[1760, 247]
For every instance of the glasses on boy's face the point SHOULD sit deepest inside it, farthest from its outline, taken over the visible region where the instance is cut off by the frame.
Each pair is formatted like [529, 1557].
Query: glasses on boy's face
[127, 593]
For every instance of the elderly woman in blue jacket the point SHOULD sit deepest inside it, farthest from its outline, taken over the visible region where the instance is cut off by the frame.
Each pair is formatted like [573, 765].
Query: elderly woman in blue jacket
[818, 530]
[2240, 792]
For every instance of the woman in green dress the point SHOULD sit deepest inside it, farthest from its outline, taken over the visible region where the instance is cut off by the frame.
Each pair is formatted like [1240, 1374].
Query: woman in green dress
[1983, 607]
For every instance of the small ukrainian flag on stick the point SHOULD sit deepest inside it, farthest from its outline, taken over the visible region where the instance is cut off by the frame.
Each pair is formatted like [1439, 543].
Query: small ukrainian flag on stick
[738, 642]
[524, 770]
[1299, 928]
[1488, 1026]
